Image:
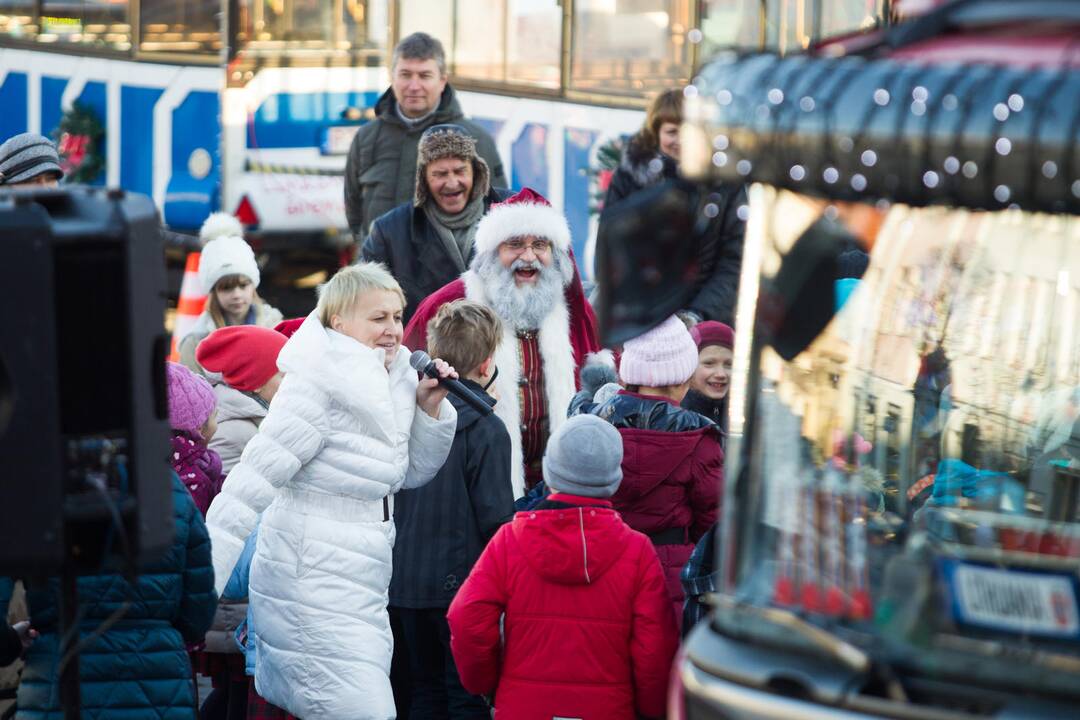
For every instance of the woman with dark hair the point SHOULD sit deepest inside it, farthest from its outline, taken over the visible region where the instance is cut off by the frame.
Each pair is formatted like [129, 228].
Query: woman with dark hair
[652, 155]
[651, 159]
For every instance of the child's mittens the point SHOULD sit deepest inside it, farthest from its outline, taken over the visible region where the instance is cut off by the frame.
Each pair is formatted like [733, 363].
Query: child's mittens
[599, 370]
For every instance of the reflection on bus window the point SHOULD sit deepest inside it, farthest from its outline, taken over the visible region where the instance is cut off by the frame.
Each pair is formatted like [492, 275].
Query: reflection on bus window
[516, 41]
[630, 47]
[180, 25]
[790, 25]
[95, 23]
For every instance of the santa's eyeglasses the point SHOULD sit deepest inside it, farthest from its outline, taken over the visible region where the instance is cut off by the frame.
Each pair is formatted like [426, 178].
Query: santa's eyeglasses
[518, 246]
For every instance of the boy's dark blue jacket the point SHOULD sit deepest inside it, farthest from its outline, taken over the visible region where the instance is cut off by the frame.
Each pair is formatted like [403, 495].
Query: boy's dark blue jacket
[138, 669]
[443, 526]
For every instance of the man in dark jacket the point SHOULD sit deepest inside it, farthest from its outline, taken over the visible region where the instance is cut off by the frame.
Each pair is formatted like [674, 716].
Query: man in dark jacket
[382, 160]
[428, 242]
[443, 526]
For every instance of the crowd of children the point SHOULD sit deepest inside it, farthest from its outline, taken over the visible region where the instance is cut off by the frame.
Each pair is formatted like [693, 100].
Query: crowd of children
[354, 488]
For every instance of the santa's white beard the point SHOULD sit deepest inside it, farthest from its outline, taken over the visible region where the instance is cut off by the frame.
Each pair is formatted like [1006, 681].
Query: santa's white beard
[523, 308]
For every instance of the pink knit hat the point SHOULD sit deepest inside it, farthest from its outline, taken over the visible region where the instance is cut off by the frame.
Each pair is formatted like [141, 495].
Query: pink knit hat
[666, 355]
[191, 399]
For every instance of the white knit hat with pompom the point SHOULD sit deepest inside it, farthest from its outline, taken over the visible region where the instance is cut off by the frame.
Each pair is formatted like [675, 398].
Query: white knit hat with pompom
[225, 252]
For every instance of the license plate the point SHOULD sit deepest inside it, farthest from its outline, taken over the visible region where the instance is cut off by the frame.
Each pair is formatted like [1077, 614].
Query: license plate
[1014, 601]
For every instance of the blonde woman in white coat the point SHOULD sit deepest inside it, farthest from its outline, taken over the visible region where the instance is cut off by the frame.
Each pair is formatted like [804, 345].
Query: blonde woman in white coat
[350, 426]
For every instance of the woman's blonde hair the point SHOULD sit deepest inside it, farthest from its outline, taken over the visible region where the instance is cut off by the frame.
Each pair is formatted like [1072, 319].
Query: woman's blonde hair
[228, 282]
[339, 294]
[665, 107]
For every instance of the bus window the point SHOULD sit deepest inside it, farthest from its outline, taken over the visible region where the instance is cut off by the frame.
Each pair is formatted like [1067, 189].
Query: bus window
[516, 41]
[435, 17]
[180, 25]
[267, 26]
[630, 47]
[790, 25]
[96, 23]
[17, 19]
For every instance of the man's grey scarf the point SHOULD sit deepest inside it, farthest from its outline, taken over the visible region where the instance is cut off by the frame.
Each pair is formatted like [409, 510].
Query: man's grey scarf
[457, 231]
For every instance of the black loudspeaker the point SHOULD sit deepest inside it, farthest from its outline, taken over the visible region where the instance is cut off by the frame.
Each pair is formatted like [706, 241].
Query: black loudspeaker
[83, 413]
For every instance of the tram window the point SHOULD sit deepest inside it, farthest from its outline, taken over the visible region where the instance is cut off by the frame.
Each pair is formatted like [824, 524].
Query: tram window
[97, 23]
[180, 25]
[630, 46]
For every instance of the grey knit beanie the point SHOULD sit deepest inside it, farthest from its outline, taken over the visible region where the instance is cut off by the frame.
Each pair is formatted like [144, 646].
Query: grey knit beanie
[441, 141]
[584, 457]
[25, 157]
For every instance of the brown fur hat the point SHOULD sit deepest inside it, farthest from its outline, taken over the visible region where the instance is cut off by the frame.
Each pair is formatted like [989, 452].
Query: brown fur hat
[441, 141]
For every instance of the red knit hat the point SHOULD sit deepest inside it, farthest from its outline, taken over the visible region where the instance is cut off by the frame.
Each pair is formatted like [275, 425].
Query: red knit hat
[288, 327]
[244, 355]
[711, 332]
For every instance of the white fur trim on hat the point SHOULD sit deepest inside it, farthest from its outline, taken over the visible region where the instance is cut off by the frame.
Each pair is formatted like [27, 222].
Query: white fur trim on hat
[509, 220]
[219, 225]
[230, 255]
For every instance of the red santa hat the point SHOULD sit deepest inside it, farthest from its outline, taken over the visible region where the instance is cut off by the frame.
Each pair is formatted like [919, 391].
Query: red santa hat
[525, 213]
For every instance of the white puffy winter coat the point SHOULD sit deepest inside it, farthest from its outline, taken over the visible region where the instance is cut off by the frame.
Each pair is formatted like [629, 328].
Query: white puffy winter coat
[342, 435]
[238, 418]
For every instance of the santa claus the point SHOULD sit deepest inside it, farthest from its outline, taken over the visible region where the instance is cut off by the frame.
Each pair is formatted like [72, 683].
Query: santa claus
[524, 270]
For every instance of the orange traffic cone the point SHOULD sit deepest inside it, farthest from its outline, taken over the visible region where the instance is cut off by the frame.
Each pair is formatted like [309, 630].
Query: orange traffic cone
[190, 305]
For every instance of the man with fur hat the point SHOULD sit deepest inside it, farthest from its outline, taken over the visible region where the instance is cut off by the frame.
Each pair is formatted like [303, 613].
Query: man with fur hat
[524, 270]
[382, 157]
[428, 241]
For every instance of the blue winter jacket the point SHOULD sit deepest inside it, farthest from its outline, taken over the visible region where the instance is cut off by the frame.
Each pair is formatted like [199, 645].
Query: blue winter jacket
[236, 590]
[138, 669]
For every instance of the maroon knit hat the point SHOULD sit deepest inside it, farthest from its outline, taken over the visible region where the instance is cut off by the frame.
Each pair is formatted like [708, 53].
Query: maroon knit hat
[711, 332]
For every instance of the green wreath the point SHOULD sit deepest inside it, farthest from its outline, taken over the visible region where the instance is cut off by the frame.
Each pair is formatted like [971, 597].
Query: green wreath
[601, 172]
[78, 140]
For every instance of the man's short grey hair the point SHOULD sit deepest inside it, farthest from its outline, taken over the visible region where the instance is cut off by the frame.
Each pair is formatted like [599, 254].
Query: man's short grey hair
[420, 46]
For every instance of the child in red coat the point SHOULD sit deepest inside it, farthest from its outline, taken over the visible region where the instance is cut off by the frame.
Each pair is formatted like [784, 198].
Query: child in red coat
[588, 628]
[673, 461]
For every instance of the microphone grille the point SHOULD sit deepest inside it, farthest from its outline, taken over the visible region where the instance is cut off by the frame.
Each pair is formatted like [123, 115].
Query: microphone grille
[419, 360]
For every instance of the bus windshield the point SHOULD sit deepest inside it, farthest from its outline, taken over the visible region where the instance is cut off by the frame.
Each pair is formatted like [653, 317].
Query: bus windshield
[913, 433]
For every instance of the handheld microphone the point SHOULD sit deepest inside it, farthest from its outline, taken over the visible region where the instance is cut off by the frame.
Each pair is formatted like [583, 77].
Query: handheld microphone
[423, 363]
